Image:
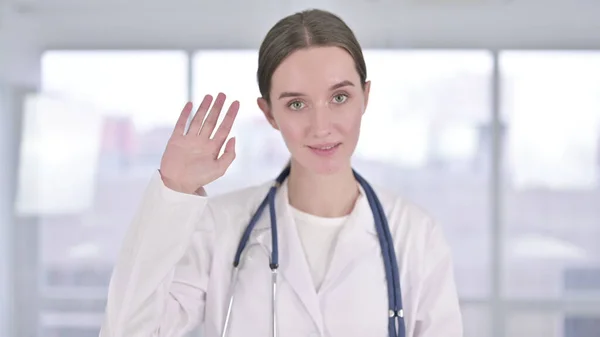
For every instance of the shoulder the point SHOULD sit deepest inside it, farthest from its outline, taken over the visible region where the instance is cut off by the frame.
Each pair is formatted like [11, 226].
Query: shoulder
[237, 206]
[241, 198]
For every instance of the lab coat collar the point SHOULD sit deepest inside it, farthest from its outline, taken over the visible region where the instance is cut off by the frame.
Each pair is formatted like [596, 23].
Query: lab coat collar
[356, 238]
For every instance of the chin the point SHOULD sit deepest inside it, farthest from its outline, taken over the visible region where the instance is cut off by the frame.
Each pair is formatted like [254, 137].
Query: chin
[323, 164]
[327, 169]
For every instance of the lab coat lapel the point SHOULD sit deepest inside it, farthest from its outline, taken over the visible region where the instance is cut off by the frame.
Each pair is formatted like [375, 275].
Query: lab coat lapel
[293, 266]
[355, 241]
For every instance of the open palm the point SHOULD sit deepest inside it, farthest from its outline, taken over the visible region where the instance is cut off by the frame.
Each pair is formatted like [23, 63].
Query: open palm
[191, 159]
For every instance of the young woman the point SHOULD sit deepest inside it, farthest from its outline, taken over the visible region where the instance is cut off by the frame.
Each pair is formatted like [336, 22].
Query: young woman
[325, 255]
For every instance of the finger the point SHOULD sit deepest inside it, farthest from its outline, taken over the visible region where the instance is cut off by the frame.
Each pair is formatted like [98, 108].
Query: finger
[228, 155]
[211, 121]
[196, 123]
[225, 127]
[179, 129]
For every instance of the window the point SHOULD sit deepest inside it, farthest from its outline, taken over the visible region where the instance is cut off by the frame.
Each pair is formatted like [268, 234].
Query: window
[426, 136]
[260, 152]
[103, 118]
[118, 108]
[477, 321]
[553, 324]
[551, 108]
[437, 106]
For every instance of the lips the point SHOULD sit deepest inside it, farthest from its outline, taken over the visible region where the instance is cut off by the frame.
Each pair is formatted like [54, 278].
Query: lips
[325, 150]
[324, 147]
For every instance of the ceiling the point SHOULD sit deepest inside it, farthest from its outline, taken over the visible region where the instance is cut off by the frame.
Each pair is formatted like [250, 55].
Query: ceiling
[192, 24]
[144, 5]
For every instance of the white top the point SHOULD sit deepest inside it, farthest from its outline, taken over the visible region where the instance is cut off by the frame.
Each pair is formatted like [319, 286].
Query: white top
[174, 271]
[318, 236]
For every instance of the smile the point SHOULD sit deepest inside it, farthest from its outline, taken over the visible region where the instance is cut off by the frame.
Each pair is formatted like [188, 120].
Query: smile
[325, 146]
[324, 149]
[328, 147]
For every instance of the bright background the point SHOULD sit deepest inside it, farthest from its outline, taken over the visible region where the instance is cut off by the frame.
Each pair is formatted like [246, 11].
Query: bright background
[487, 113]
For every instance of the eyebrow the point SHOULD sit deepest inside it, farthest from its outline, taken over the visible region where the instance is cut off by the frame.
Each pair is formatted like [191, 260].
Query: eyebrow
[333, 87]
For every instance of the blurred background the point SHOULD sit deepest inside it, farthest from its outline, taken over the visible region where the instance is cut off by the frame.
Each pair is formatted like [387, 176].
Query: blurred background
[485, 112]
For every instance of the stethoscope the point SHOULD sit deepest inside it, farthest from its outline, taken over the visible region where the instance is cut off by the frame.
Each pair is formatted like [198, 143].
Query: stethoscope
[396, 327]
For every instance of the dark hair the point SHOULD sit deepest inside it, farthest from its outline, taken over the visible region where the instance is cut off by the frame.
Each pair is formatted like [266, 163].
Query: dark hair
[309, 28]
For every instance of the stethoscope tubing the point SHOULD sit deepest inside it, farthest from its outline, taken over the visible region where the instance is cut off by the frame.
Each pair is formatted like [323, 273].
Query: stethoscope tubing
[396, 324]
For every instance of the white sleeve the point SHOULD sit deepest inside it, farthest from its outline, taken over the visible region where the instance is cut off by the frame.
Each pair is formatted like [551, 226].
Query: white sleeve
[158, 284]
[438, 312]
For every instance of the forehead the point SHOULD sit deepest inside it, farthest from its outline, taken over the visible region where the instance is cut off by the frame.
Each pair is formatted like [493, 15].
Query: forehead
[314, 69]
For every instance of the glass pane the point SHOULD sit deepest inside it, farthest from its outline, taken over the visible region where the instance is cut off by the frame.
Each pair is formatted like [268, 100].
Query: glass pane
[120, 107]
[551, 191]
[260, 153]
[550, 324]
[476, 321]
[425, 135]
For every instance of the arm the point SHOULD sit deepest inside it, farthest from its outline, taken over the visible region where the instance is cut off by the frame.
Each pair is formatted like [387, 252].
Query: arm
[438, 312]
[159, 281]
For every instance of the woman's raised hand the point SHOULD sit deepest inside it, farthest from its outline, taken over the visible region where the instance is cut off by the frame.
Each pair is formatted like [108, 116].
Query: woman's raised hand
[191, 159]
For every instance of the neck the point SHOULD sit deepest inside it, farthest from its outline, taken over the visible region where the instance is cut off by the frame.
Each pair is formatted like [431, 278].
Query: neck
[328, 196]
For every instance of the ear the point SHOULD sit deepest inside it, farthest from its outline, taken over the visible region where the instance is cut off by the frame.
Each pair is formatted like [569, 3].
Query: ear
[366, 94]
[265, 107]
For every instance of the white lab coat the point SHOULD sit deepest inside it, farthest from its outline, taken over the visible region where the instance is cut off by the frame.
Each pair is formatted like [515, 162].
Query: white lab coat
[175, 268]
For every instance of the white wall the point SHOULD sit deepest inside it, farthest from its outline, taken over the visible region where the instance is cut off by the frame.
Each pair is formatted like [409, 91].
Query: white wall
[5, 202]
[377, 25]
[8, 149]
[7, 174]
[4, 224]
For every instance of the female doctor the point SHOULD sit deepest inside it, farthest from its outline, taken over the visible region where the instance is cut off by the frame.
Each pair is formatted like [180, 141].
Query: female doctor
[319, 252]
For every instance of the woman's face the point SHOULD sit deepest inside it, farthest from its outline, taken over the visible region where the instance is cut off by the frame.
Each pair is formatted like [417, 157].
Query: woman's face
[317, 103]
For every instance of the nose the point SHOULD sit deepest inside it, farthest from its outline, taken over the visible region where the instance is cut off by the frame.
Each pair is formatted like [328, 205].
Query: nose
[321, 122]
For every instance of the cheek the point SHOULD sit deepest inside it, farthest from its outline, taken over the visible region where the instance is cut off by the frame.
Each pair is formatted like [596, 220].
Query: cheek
[291, 131]
[350, 124]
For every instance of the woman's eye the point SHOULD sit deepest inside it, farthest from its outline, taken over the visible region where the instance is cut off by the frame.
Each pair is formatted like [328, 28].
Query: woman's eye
[340, 98]
[296, 105]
